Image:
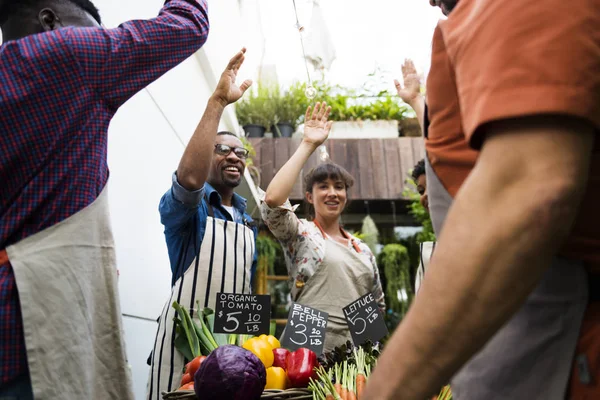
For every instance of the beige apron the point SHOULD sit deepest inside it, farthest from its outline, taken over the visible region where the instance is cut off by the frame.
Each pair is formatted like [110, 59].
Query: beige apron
[531, 356]
[223, 265]
[343, 276]
[67, 281]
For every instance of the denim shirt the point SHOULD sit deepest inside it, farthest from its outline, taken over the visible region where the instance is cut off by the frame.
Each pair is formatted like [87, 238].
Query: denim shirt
[184, 214]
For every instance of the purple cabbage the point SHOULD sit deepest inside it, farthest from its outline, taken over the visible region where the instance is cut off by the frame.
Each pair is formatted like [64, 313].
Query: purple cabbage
[230, 373]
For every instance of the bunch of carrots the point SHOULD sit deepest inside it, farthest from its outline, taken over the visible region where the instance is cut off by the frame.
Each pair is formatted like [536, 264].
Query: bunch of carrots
[343, 381]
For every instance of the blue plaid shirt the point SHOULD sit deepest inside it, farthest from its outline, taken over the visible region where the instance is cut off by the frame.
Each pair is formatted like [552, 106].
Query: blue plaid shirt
[178, 206]
[58, 93]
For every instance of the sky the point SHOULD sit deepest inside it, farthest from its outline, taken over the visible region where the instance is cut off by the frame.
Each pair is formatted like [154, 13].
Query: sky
[366, 35]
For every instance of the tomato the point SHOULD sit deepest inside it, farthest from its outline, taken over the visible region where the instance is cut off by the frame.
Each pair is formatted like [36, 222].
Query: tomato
[187, 386]
[193, 365]
[187, 378]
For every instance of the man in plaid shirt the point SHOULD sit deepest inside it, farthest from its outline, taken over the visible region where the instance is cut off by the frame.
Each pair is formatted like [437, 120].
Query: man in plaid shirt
[62, 78]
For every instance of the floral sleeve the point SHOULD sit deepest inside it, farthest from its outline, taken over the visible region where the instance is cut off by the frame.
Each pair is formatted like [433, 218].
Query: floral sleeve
[281, 221]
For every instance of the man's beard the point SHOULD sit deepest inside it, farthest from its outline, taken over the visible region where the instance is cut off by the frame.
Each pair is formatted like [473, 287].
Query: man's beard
[230, 182]
[448, 5]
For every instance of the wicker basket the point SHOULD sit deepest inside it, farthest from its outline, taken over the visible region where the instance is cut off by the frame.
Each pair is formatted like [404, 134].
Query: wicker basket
[290, 394]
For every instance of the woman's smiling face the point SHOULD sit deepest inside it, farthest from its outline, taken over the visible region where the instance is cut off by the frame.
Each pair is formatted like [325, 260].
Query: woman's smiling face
[328, 198]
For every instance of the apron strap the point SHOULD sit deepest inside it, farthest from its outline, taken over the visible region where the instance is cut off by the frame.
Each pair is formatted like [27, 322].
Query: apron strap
[426, 122]
[346, 235]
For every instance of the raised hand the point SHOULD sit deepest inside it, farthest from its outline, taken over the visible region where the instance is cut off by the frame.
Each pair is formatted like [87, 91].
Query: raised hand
[412, 83]
[316, 126]
[227, 91]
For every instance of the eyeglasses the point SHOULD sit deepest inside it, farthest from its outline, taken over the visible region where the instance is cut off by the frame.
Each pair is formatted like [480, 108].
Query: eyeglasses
[224, 150]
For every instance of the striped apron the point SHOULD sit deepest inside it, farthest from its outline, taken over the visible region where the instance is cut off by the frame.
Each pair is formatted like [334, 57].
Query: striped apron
[222, 264]
[67, 281]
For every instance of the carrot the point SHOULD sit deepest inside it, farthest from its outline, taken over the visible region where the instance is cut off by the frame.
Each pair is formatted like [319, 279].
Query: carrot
[351, 380]
[361, 378]
[338, 382]
[345, 381]
[327, 386]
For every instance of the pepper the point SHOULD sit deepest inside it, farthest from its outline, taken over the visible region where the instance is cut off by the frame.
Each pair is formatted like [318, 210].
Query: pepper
[281, 356]
[272, 340]
[300, 366]
[261, 349]
[276, 378]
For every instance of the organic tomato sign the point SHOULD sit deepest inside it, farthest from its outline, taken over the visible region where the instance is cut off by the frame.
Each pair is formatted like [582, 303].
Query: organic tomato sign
[243, 314]
[365, 320]
[305, 328]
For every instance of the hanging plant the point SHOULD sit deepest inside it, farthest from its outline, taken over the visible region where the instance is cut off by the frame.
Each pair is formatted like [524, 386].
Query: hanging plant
[369, 233]
[395, 263]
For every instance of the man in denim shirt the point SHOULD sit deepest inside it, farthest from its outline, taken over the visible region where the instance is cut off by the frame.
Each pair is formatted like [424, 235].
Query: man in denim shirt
[210, 238]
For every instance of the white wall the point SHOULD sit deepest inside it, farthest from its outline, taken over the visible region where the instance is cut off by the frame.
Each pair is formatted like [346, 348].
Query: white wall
[146, 140]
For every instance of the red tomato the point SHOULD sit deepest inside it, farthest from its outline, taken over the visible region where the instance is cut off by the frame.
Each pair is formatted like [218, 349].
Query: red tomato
[193, 365]
[187, 378]
[187, 386]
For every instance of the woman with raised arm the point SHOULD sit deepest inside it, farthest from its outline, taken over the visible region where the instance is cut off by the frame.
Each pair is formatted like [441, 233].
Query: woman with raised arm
[328, 267]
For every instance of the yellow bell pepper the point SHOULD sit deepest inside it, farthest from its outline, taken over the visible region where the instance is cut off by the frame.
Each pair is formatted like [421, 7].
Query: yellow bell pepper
[276, 378]
[261, 349]
[272, 340]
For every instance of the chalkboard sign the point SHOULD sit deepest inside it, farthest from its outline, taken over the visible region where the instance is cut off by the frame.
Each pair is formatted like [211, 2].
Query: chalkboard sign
[305, 328]
[243, 314]
[365, 320]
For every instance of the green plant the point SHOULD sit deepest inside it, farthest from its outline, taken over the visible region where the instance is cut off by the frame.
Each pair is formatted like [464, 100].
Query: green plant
[289, 106]
[351, 105]
[256, 108]
[395, 263]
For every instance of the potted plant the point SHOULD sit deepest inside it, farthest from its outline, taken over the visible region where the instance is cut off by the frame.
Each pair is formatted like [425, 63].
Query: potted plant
[289, 107]
[255, 113]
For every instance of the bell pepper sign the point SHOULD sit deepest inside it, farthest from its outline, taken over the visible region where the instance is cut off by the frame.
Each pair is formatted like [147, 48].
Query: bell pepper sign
[300, 367]
[309, 315]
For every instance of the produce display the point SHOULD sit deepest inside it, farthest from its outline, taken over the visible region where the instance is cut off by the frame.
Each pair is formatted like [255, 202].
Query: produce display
[241, 367]
[236, 367]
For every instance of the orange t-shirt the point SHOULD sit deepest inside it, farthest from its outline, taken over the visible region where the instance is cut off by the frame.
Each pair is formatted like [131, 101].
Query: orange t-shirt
[495, 60]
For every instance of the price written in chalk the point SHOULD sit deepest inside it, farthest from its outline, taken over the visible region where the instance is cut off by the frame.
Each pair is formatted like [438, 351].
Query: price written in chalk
[242, 314]
[305, 328]
[365, 320]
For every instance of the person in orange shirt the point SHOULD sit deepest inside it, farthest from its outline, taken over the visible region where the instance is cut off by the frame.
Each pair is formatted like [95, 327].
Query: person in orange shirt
[509, 308]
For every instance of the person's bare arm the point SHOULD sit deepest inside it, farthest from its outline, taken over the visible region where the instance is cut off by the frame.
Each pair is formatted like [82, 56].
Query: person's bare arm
[316, 131]
[195, 162]
[411, 92]
[507, 221]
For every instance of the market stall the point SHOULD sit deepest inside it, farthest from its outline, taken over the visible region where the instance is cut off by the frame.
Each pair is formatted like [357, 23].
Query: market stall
[244, 367]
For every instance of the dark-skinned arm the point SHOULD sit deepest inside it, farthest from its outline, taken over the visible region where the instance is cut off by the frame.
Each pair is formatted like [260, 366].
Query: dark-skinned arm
[195, 163]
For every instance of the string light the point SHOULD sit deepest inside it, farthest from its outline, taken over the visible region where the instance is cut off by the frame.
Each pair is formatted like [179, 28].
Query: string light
[310, 92]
